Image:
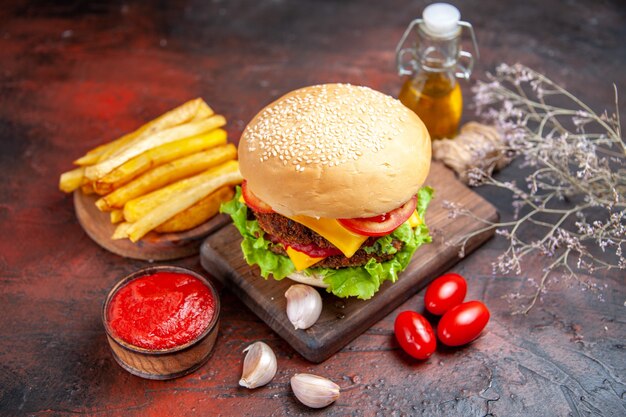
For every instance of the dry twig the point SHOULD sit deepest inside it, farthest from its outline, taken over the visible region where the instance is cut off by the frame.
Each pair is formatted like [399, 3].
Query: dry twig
[575, 195]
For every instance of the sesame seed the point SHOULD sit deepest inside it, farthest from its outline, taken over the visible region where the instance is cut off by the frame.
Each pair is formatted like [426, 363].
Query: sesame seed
[320, 126]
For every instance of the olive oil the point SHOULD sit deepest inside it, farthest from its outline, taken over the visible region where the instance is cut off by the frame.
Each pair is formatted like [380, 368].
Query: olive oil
[430, 53]
[437, 100]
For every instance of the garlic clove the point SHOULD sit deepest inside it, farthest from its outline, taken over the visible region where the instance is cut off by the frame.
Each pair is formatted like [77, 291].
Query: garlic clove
[314, 391]
[259, 365]
[304, 305]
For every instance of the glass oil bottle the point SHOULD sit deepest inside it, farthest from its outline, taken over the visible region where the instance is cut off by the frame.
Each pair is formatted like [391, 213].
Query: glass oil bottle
[433, 63]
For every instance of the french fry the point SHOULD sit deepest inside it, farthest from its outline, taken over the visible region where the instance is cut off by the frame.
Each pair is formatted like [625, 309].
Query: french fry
[180, 196]
[71, 180]
[121, 231]
[94, 155]
[184, 151]
[137, 208]
[166, 174]
[117, 216]
[157, 156]
[203, 112]
[87, 188]
[143, 143]
[179, 115]
[182, 114]
[197, 214]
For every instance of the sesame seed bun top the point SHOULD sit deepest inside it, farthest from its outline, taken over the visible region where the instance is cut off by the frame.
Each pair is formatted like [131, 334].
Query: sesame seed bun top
[335, 151]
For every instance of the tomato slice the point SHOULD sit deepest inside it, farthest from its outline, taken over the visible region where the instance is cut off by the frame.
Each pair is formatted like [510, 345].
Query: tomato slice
[315, 251]
[383, 224]
[254, 202]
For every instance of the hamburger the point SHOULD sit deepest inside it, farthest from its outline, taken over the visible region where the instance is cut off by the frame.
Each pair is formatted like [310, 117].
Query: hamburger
[332, 193]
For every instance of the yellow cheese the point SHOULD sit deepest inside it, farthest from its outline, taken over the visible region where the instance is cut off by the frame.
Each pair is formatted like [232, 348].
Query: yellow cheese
[414, 220]
[301, 260]
[241, 200]
[330, 229]
[346, 241]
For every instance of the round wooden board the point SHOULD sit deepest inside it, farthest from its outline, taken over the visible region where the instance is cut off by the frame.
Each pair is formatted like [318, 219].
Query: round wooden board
[153, 246]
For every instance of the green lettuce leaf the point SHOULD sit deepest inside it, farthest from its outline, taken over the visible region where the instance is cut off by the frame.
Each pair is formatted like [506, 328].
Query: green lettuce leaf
[383, 246]
[361, 282]
[254, 247]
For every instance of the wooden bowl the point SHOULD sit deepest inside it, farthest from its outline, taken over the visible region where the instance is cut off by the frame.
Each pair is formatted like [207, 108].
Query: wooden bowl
[166, 363]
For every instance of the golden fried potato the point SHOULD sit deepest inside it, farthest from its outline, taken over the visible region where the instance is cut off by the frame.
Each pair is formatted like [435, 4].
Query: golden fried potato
[87, 188]
[197, 214]
[156, 208]
[145, 142]
[181, 114]
[71, 180]
[117, 216]
[157, 156]
[121, 231]
[167, 174]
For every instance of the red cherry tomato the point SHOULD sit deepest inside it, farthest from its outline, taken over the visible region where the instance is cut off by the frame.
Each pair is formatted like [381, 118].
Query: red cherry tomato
[463, 323]
[415, 334]
[383, 224]
[444, 293]
[254, 202]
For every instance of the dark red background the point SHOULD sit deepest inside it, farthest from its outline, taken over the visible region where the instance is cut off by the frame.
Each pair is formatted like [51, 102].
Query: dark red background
[76, 73]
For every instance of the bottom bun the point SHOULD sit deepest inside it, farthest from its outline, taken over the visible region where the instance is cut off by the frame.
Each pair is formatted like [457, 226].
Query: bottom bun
[310, 279]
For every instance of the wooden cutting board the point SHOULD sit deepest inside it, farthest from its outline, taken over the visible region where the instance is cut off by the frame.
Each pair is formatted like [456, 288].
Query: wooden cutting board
[344, 319]
[153, 246]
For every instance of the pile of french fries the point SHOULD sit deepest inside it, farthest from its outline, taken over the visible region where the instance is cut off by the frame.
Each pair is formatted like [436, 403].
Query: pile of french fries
[169, 175]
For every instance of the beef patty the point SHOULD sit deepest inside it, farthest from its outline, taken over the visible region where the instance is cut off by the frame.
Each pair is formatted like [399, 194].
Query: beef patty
[290, 231]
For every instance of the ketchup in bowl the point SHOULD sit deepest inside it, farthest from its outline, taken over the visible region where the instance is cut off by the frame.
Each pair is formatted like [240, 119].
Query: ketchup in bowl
[161, 310]
[162, 321]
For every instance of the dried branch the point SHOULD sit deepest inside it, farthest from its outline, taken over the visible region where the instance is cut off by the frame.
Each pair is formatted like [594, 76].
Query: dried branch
[575, 196]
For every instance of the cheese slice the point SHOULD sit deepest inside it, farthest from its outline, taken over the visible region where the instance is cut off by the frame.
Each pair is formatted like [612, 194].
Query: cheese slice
[301, 260]
[336, 234]
[330, 229]
[414, 220]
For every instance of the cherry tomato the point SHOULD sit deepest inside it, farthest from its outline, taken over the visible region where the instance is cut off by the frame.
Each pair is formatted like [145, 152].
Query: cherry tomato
[444, 293]
[415, 334]
[463, 323]
[383, 224]
[254, 202]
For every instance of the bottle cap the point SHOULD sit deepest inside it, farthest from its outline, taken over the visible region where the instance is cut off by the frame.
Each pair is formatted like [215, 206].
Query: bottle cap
[441, 19]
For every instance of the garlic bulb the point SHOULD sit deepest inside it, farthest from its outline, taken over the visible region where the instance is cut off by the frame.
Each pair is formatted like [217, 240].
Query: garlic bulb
[259, 365]
[304, 305]
[314, 391]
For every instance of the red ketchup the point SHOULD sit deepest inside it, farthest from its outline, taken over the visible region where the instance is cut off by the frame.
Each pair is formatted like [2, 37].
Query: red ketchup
[161, 311]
